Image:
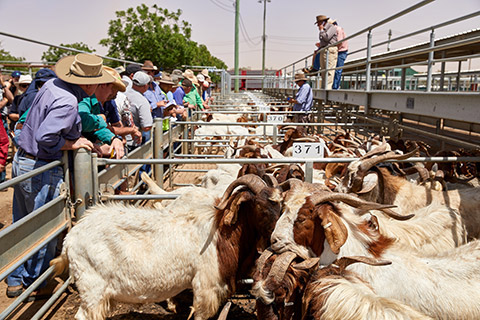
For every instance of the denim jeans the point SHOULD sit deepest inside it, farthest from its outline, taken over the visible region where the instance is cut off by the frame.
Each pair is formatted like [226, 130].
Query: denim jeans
[28, 196]
[342, 56]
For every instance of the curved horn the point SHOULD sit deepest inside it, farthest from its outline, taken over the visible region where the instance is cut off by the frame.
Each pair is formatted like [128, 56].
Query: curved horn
[252, 181]
[355, 144]
[270, 180]
[288, 127]
[306, 264]
[307, 139]
[267, 253]
[275, 166]
[292, 183]
[353, 201]
[366, 164]
[381, 149]
[278, 270]
[344, 262]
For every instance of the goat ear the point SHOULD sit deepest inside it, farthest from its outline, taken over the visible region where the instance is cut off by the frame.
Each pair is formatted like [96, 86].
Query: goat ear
[369, 182]
[231, 213]
[335, 231]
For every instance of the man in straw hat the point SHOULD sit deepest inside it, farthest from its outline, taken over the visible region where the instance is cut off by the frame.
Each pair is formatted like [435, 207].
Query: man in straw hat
[327, 36]
[94, 121]
[52, 125]
[303, 99]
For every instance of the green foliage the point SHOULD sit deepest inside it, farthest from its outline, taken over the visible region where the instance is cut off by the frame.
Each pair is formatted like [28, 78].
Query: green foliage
[54, 54]
[155, 34]
[6, 56]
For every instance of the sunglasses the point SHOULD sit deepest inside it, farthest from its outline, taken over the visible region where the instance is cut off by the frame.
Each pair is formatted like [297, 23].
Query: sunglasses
[23, 85]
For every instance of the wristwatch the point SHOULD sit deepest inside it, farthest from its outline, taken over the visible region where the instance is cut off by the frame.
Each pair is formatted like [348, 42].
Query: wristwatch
[116, 136]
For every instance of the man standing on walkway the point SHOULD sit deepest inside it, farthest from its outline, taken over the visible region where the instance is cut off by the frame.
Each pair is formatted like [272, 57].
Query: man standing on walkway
[303, 99]
[52, 125]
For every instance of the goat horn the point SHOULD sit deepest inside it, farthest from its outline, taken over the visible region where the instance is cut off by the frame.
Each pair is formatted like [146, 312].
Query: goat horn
[381, 149]
[306, 264]
[292, 183]
[353, 201]
[344, 262]
[252, 181]
[289, 127]
[278, 270]
[267, 253]
[270, 180]
[275, 166]
[349, 141]
[305, 139]
[249, 147]
[366, 164]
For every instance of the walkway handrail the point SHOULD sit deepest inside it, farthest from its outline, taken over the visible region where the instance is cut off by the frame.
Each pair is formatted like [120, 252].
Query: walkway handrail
[369, 28]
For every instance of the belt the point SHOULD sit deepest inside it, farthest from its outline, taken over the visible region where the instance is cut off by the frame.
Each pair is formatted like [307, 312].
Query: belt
[23, 153]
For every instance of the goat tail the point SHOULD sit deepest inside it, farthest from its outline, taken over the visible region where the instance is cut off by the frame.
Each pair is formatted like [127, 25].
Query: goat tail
[60, 263]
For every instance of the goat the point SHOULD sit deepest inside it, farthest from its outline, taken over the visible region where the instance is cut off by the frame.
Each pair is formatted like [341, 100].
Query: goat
[444, 286]
[301, 290]
[134, 255]
[377, 184]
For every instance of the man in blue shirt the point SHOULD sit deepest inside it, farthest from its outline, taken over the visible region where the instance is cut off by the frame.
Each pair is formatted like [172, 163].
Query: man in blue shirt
[52, 125]
[303, 99]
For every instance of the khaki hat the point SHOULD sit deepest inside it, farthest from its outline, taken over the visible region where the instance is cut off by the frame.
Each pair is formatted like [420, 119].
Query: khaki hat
[321, 18]
[120, 84]
[166, 79]
[300, 76]
[149, 66]
[191, 76]
[82, 68]
[205, 73]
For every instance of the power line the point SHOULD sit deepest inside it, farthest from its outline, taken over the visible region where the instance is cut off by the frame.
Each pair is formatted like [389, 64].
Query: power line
[221, 6]
[242, 25]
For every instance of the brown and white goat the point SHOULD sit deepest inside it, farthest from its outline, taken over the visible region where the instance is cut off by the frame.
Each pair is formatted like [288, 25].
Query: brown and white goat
[118, 253]
[378, 185]
[443, 286]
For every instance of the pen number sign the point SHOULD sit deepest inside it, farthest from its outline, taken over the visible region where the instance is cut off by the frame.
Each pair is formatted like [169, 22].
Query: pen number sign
[309, 149]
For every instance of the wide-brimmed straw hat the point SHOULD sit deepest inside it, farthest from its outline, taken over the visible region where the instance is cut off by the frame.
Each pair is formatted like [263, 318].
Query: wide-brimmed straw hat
[321, 18]
[191, 76]
[82, 68]
[300, 76]
[25, 79]
[120, 84]
[166, 79]
[149, 66]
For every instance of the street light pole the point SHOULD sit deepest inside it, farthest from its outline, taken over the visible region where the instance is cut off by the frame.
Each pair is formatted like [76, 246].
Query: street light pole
[237, 22]
[264, 38]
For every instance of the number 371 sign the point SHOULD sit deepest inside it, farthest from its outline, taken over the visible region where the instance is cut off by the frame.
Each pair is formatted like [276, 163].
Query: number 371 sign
[309, 149]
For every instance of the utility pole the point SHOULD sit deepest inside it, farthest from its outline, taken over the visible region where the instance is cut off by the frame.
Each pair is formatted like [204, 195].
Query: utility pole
[264, 38]
[389, 37]
[237, 25]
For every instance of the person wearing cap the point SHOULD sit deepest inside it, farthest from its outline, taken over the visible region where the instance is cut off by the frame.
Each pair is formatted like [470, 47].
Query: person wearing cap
[327, 36]
[19, 110]
[130, 70]
[139, 106]
[52, 126]
[94, 122]
[156, 98]
[303, 99]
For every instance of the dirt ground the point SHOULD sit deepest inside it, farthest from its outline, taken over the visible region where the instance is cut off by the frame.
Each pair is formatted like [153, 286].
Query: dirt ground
[243, 307]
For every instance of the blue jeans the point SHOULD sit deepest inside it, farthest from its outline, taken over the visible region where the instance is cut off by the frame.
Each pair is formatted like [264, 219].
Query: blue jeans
[28, 196]
[316, 61]
[342, 56]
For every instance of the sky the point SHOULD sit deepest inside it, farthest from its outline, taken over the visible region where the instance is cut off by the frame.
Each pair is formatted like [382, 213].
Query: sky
[290, 30]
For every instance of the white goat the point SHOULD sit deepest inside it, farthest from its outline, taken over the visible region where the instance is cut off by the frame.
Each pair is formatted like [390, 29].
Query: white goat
[445, 286]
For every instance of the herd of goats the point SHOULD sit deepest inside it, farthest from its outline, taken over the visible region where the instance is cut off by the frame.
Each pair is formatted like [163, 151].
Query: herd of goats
[367, 239]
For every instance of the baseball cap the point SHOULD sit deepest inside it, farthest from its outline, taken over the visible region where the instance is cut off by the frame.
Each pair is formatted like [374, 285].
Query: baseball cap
[132, 68]
[16, 74]
[140, 78]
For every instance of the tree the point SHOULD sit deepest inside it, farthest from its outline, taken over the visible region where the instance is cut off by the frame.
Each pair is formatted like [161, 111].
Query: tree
[6, 56]
[54, 54]
[155, 34]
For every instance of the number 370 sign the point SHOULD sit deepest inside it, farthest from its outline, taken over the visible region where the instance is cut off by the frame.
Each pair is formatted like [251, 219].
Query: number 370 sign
[309, 149]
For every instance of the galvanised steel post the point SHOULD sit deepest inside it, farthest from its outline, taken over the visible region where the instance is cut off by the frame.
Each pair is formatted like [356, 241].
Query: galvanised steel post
[95, 183]
[325, 72]
[158, 150]
[430, 61]
[237, 24]
[309, 171]
[83, 184]
[369, 54]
